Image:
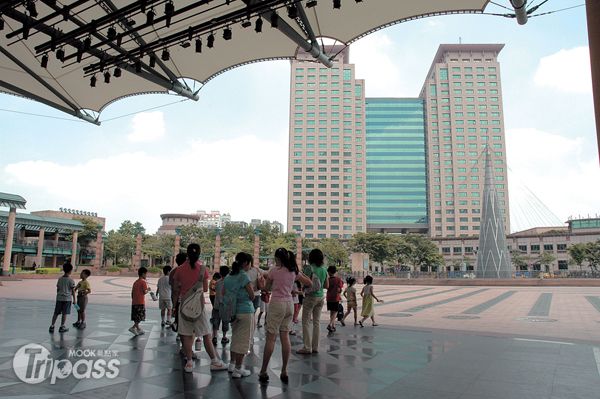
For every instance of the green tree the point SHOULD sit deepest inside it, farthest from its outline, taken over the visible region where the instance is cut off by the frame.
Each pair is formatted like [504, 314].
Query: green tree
[378, 246]
[592, 255]
[85, 237]
[424, 253]
[335, 252]
[519, 261]
[131, 229]
[158, 247]
[577, 252]
[119, 246]
[545, 259]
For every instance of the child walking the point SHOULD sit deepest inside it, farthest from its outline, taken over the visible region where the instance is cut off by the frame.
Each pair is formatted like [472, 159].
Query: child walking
[215, 316]
[350, 295]
[212, 293]
[65, 290]
[165, 304]
[368, 295]
[297, 298]
[333, 296]
[83, 289]
[138, 301]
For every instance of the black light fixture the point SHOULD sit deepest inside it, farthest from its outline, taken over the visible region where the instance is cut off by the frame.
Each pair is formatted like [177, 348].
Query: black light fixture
[274, 20]
[87, 43]
[152, 61]
[106, 77]
[198, 45]
[165, 55]
[31, 9]
[26, 30]
[258, 25]
[117, 72]
[119, 40]
[246, 24]
[359, 1]
[337, 4]
[227, 33]
[93, 81]
[210, 40]
[1, 23]
[138, 66]
[185, 44]
[311, 3]
[79, 52]
[169, 11]
[111, 33]
[150, 16]
[60, 54]
[143, 4]
[44, 63]
[292, 11]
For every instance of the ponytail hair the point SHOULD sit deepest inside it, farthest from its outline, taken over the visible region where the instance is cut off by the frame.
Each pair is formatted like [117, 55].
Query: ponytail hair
[193, 254]
[287, 258]
[293, 265]
[240, 259]
[235, 268]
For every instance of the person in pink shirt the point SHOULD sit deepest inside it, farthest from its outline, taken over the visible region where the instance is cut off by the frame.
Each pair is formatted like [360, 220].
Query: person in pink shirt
[280, 281]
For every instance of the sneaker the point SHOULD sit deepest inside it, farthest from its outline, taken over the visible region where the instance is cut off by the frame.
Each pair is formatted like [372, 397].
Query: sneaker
[343, 323]
[231, 367]
[162, 323]
[214, 341]
[239, 373]
[218, 365]
[76, 324]
[189, 366]
[168, 323]
[51, 329]
[140, 331]
[224, 340]
[133, 330]
[81, 326]
[259, 325]
[63, 329]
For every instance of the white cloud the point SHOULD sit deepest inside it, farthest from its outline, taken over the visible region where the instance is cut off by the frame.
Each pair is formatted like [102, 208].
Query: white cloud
[566, 70]
[555, 169]
[245, 176]
[147, 126]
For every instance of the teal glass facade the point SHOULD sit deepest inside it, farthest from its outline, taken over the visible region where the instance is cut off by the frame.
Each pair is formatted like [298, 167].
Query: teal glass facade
[396, 164]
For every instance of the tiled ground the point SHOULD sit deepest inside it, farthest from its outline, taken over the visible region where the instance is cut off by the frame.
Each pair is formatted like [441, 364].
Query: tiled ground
[433, 342]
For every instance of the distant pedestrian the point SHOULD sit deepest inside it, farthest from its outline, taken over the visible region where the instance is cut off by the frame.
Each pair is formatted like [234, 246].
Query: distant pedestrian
[165, 302]
[313, 302]
[65, 291]
[334, 296]
[297, 298]
[179, 260]
[368, 308]
[215, 317]
[83, 289]
[351, 302]
[138, 301]
[211, 288]
[280, 280]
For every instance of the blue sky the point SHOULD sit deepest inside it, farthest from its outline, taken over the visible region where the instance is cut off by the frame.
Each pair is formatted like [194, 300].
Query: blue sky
[228, 151]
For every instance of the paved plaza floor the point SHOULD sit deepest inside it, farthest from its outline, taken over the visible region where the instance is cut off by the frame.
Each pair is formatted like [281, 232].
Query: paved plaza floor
[432, 342]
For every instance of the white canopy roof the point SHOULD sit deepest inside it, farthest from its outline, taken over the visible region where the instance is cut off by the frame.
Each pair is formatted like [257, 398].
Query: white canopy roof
[56, 27]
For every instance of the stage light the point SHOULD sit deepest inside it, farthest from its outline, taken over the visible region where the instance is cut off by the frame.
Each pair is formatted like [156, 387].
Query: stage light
[150, 17]
[246, 24]
[44, 63]
[1, 23]
[169, 11]
[87, 43]
[227, 33]
[93, 81]
[337, 4]
[292, 12]
[31, 9]
[60, 54]
[106, 77]
[258, 25]
[138, 66]
[152, 61]
[210, 40]
[165, 55]
[198, 45]
[112, 33]
[117, 72]
[311, 3]
[274, 20]
[185, 44]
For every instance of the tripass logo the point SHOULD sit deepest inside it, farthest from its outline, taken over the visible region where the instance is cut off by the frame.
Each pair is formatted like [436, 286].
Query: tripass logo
[33, 364]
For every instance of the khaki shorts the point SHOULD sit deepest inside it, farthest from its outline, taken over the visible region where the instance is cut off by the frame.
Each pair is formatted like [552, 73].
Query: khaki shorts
[279, 317]
[198, 328]
[242, 329]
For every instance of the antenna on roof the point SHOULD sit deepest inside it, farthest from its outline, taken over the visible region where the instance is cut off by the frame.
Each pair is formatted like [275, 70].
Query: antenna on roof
[459, 40]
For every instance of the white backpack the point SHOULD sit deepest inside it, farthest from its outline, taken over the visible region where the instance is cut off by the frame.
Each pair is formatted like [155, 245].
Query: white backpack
[192, 304]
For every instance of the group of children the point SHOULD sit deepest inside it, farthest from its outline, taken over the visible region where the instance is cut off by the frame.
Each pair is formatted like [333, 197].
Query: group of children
[69, 293]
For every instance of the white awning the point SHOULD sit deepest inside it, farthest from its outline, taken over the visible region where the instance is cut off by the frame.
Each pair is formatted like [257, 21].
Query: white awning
[67, 85]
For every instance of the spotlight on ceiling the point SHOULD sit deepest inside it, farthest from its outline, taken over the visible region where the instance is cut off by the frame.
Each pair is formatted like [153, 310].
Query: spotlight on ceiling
[111, 34]
[138, 66]
[198, 45]
[165, 55]
[337, 4]
[31, 9]
[117, 72]
[185, 44]
[359, 1]
[169, 11]
[87, 43]
[119, 40]
[60, 54]
[246, 24]
[1, 23]
[152, 61]
[292, 12]
[258, 25]
[210, 40]
[106, 77]
[274, 20]
[150, 17]
[44, 63]
[311, 3]
[93, 81]
[227, 33]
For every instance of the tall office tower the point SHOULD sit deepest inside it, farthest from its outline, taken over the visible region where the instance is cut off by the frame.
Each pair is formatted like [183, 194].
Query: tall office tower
[463, 100]
[396, 166]
[327, 165]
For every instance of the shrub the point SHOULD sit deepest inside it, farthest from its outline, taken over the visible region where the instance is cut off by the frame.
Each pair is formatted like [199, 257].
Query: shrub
[48, 270]
[113, 269]
[154, 270]
[122, 266]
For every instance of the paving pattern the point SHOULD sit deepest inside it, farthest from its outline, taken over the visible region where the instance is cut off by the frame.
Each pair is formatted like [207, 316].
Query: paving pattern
[432, 342]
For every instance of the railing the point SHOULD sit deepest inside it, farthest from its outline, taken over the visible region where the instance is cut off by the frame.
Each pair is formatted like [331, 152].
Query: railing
[524, 274]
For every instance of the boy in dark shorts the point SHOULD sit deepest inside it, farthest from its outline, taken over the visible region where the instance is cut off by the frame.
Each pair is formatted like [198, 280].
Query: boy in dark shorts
[83, 288]
[138, 301]
[334, 298]
[65, 291]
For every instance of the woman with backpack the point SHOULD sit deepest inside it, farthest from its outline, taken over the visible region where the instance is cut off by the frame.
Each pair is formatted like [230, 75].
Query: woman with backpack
[189, 285]
[313, 302]
[280, 281]
[238, 294]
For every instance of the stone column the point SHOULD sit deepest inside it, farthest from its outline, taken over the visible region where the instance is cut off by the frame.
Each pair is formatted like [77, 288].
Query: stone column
[10, 233]
[176, 248]
[137, 258]
[99, 252]
[593, 25]
[74, 249]
[299, 249]
[54, 257]
[217, 261]
[40, 249]
[256, 250]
